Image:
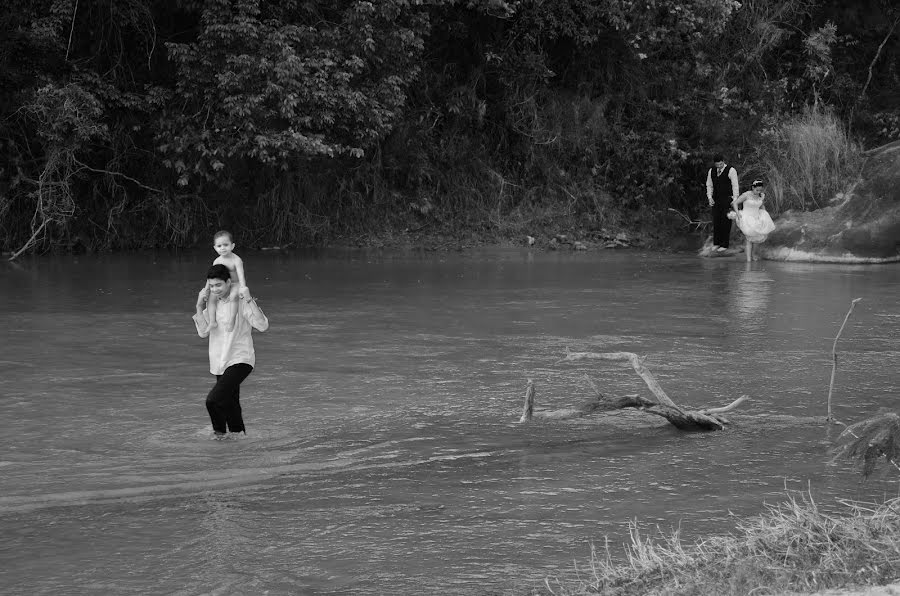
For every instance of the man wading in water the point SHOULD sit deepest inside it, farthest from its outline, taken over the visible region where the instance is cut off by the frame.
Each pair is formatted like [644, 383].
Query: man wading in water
[231, 355]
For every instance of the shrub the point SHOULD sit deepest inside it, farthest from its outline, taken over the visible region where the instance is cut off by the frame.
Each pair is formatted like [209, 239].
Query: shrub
[807, 160]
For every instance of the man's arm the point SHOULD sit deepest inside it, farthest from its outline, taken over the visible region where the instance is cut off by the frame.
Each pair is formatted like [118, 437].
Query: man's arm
[200, 317]
[252, 312]
[735, 190]
[709, 187]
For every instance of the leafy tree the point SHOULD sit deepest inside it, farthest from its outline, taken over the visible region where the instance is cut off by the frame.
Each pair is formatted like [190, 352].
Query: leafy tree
[75, 95]
[280, 82]
[322, 112]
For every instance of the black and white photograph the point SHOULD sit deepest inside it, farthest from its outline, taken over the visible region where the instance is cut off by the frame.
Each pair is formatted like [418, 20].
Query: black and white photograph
[450, 297]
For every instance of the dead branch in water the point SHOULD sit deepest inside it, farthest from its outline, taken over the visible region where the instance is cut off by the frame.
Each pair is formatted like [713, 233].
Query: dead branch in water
[600, 403]
[690, 420]
[830, 418]
[636, 363]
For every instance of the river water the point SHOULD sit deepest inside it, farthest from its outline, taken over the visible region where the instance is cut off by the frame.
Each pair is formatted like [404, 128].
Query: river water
[383, 454]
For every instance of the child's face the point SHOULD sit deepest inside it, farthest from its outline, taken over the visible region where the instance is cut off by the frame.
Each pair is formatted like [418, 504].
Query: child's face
[223, 245]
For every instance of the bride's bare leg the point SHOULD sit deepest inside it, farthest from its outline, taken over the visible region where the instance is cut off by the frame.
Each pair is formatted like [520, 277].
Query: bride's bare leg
[748, 249]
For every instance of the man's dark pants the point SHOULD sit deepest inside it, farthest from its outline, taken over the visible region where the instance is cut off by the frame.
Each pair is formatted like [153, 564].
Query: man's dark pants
[721, 223]
[224, 400]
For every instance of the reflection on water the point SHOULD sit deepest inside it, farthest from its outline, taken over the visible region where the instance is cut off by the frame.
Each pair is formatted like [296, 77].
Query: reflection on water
[384, 454]
[750, 297]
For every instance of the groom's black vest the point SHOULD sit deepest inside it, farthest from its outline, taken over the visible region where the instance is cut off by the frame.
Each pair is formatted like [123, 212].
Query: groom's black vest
[721, 185]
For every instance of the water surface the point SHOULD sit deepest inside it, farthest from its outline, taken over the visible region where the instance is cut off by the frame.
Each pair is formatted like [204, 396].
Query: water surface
[383, 454]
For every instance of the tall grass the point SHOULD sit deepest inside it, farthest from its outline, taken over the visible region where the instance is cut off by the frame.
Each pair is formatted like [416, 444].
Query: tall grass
[807, 161]
[793, 546]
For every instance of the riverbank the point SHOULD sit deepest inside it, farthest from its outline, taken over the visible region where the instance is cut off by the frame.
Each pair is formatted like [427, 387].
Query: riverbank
[795, 548]
[658, 231]
[661, 232]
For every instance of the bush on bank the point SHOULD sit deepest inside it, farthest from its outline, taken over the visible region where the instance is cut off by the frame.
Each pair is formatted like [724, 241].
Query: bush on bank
[807, 160]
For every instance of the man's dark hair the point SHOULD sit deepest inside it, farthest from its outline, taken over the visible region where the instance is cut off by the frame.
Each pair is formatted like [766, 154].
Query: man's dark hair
[218, 272]
[718, 157]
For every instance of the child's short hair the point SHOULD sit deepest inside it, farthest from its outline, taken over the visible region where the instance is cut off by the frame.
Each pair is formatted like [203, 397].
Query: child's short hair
[221, 233]
[718, 157]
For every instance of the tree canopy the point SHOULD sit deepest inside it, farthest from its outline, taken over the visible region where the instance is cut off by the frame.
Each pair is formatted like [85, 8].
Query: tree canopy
[132, 123]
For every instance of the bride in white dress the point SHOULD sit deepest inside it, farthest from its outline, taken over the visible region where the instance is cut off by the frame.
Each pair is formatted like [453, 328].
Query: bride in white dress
[753, 220]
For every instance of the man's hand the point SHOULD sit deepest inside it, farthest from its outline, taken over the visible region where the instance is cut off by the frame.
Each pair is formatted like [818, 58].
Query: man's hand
[203, 297]
[244, 293]
[711, 202]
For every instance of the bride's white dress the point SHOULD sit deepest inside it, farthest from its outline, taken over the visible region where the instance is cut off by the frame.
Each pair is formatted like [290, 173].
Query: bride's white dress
[755, 223]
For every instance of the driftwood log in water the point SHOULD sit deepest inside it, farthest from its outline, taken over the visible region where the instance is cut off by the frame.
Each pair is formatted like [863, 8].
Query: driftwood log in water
[692, 420]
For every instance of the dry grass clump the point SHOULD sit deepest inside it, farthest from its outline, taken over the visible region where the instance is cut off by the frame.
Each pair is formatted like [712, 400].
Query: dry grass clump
[808, 160]
[793, 546]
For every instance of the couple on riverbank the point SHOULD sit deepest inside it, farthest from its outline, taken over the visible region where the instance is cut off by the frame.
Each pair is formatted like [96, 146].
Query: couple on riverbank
[722, 193]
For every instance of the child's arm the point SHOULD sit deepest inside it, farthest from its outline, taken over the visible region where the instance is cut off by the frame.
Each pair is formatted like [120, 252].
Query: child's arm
[211, 305]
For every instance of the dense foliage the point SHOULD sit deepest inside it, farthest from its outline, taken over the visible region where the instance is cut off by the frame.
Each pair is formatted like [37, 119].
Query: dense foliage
[136, 123]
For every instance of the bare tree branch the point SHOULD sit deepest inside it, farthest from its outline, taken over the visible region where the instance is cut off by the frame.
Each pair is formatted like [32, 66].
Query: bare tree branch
[875, 59]
[830, 418]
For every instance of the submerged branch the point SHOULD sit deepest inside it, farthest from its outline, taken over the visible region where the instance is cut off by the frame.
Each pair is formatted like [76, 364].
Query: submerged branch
[830, 418]
[688, 420]
[637, 364]
[727, 408]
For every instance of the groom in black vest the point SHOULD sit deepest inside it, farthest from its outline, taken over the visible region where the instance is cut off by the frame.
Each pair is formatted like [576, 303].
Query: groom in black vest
[721, 190]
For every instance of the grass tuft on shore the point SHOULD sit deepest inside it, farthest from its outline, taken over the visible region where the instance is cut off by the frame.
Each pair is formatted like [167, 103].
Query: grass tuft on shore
[792, 547]
[808, 160]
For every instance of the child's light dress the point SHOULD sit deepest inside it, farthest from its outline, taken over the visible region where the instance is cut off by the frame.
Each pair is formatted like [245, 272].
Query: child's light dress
[755, 223]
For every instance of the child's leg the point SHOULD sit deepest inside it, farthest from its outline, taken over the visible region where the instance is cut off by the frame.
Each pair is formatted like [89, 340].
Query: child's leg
[211, 305]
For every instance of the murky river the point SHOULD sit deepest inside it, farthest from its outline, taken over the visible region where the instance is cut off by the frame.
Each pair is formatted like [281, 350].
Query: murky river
[383, 454]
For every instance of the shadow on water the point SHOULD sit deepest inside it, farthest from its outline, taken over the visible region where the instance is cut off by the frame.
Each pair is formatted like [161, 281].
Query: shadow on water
[383, 452]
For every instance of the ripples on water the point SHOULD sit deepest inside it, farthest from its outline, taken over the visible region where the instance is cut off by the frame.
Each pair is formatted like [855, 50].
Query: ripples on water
[384, 454]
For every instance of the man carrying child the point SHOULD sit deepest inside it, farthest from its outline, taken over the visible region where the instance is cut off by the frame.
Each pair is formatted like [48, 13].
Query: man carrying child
[231, 354]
